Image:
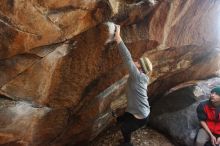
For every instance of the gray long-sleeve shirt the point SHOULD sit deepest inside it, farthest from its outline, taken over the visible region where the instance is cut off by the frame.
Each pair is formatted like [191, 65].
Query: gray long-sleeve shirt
[136, 91]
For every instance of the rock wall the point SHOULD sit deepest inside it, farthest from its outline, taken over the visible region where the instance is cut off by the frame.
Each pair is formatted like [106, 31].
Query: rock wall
[59, 78]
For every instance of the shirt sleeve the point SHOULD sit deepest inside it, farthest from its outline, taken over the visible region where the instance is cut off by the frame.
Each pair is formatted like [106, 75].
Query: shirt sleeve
[127, 59]
[200, 112]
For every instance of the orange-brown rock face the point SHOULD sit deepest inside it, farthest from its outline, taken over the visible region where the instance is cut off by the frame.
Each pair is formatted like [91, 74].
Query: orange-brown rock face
[59, 78]
[29, 24]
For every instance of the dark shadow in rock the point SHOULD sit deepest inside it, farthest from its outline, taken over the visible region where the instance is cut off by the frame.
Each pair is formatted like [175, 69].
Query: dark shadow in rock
[177, 98]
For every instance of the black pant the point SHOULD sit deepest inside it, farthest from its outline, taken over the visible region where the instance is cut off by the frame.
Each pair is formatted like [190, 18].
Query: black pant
[209, 143]
[128, 124]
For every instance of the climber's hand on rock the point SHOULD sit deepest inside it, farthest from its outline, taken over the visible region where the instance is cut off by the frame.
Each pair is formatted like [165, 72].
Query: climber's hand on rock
[117, 34]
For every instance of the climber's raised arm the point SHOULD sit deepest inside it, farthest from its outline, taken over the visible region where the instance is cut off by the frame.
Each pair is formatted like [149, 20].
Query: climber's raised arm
[125, 54]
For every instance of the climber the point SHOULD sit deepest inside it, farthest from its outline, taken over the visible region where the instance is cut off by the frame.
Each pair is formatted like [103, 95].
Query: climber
[138, 108]
[208, 113]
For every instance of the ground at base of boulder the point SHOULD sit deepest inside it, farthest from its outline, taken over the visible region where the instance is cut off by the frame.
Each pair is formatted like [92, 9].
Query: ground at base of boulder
[142, 137]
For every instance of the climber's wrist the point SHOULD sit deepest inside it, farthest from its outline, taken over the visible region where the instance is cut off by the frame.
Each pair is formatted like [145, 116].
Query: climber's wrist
[118, 40]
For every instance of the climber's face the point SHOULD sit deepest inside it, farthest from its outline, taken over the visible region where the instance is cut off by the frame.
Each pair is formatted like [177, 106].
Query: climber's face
[138, 65]
[215, 99]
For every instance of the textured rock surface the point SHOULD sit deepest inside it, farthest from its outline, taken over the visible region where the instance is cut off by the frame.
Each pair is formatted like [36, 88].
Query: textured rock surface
[181, 65]
[175, 113]
[59, 76]
[29, 24]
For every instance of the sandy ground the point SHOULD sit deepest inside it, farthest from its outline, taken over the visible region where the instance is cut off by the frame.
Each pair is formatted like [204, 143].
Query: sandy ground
[142, 137]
